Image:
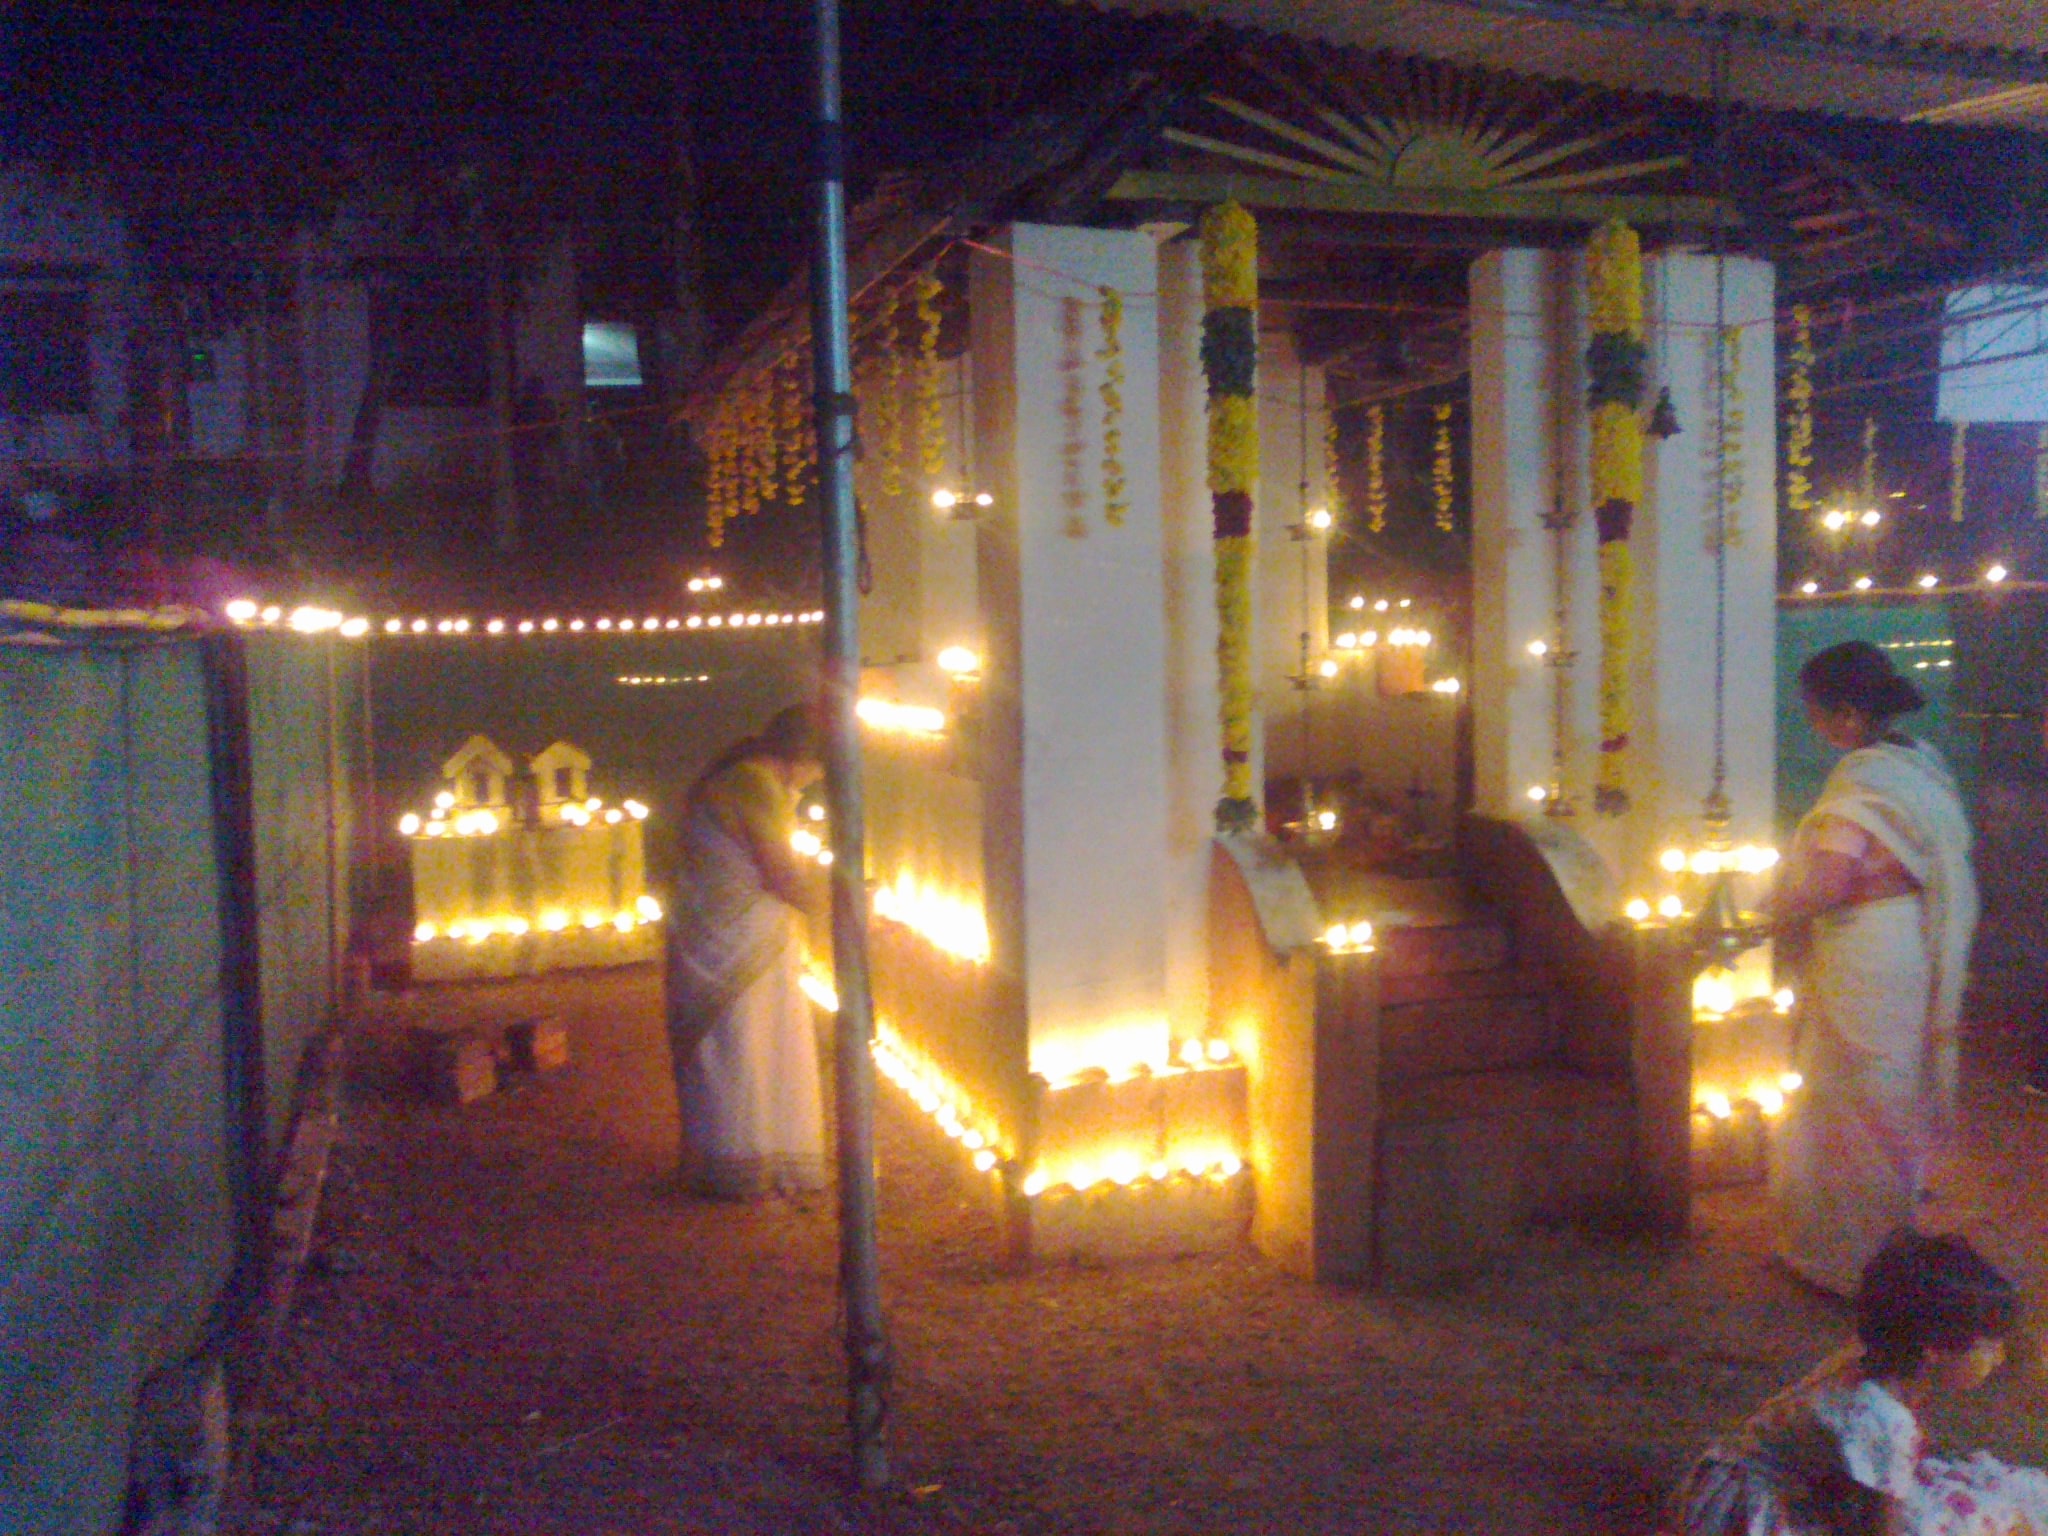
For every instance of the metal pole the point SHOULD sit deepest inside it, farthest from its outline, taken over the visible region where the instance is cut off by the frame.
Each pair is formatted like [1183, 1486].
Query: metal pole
[860, 1270]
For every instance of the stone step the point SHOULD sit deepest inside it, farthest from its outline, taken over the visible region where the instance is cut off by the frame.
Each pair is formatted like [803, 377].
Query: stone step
[1441, 986]
[1466, 1163]
[1439, 949]
[1465, 1035]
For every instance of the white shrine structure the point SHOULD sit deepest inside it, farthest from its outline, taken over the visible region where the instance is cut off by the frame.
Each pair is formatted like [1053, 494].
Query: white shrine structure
[1434, 993]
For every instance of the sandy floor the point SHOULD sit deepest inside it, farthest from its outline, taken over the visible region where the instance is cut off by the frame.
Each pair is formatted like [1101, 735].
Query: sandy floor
[514, 1324]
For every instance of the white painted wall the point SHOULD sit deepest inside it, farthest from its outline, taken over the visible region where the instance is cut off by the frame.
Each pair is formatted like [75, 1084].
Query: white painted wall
[1194, 736]
[1076, 615]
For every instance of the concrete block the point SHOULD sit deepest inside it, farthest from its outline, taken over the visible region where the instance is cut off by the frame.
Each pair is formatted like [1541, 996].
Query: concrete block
[1168, 1218]
[537, 1045]
[455, 1067]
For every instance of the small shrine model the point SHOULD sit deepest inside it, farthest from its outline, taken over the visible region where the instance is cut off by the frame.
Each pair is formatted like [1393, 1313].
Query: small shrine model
[518, 874]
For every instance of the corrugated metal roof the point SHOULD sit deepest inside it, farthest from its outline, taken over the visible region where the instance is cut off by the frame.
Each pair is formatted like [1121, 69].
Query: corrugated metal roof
[1670, 60]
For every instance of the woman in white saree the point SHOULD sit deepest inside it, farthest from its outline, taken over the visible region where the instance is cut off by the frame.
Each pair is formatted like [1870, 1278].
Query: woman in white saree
[1877, 903]
[740, 1030]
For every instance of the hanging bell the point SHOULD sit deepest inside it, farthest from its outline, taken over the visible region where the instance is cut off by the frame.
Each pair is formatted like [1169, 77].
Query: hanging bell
[1664, 416]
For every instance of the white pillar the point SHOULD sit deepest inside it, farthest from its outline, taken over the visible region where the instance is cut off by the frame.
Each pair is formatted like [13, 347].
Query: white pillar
[1529, 440]
[1675, 685]
[1075, 610]
[1291, 597]
[1194, 734]
[1528, 448]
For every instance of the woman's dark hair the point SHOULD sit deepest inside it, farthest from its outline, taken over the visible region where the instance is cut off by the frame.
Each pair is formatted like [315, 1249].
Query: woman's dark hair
[1920, 1293]
[793, 735]
[1857, 673]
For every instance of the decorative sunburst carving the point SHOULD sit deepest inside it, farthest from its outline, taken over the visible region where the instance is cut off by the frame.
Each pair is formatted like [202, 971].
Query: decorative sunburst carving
[1424, 127]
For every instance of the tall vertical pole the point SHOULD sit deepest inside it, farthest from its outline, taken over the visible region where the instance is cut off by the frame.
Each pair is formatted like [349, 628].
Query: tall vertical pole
[860, 1277]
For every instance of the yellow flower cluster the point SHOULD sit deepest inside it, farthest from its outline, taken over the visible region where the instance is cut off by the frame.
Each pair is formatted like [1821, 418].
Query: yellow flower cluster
[1614, 280]
[931, 413]
[1233, 443]
[1114, 502]
[1732, 418]
[1442, 473]
[1617, 467]
[1799, 414]
[1230, 257]
[1869, 461]
[1376, 469]
[1958, 469]
[1234, 662]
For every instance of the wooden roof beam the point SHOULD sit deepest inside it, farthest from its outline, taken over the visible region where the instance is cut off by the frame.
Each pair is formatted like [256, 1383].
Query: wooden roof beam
[1358, 197]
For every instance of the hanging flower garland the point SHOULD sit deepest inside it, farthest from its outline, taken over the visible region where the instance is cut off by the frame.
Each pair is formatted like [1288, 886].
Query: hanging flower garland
[719, 480]
[1616, 364]
[2041, 473]
[1230, 357]
[1111, 315]
[1958, 469]
[789, 429]
[1376, 469]
[931, 413]
[1799, 414]
[1732, 418]
[757, 426]
[1442, 481]
[1333, 469]
[889, 405]
[1869, 461]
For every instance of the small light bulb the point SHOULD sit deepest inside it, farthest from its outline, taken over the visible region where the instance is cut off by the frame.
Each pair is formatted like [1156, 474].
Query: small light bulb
[1538, 793]
[1809, 587]
[1930, 580]
[945, 501]
[1671, 906]
[1326, 668]
[1871, 519]
[1996, 574]
[1320, 520]
[1637, 911]
[984, 499]
[1539, 649]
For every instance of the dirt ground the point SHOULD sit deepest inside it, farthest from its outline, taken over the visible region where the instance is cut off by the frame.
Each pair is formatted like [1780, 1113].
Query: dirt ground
[514, 1323]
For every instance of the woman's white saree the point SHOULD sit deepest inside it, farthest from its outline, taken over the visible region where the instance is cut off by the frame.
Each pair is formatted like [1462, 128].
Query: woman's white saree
[1878, 1009]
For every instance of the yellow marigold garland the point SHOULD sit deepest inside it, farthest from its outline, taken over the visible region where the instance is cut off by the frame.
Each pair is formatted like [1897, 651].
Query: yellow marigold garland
[2041, 472]
[1114, 502]
[1732, 418]
[1376, 469]
[1230, 290]
[718, 490]
[1799, 415]
[889, 405]
[1333, 469]
[1442, 471]
[1869, 485]
[789, 429]
[1616, 365]
[1958, 469]
[931, 412]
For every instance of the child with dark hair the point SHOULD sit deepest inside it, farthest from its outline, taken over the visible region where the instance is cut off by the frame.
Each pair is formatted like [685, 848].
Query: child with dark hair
[1840, 1453]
